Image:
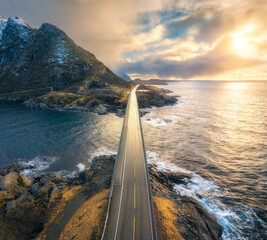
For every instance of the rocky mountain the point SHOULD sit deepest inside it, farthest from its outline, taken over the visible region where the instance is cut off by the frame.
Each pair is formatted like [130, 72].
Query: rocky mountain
[36, 58]
[33, 59]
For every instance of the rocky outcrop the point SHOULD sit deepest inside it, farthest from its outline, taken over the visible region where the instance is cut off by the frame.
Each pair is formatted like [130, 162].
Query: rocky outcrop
[29, 207]
[56, 207]
[192, 221]
[149, 96]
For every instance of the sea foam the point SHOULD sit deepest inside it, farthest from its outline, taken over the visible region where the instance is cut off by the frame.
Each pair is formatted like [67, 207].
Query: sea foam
[236, 220]
[37, 165]
[100, 152]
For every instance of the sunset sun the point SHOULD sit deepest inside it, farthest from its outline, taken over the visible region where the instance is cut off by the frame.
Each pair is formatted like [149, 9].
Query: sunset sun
[242, 40]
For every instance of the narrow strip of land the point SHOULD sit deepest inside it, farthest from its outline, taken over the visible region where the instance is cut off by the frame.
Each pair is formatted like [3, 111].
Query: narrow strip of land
[130, 213]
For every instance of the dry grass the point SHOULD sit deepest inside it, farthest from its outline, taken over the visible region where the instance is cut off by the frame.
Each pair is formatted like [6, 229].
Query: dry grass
[167, 214]
[88, 221]
[57, 204]
[6, 196]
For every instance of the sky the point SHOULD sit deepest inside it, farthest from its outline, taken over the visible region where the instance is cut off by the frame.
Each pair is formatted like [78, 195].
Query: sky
[166, 39]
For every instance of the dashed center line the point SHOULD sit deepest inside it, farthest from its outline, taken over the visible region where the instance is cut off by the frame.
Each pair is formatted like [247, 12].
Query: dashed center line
[134, 194]
[134, 228]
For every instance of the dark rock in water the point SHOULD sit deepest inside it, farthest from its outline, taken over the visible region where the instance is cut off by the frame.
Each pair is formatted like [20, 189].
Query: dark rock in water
[120, 113]
[101, 110]
[143, 113]
[165, 90]
[179, 178]
[203, 222]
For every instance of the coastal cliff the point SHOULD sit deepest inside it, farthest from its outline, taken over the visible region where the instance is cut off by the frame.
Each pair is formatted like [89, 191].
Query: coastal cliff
[53, 207]
[45, 68]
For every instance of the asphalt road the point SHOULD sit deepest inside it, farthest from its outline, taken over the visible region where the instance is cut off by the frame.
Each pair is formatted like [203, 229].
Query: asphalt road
[130, 213]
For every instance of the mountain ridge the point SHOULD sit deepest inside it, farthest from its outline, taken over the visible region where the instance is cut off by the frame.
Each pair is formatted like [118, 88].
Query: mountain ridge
[45, 57]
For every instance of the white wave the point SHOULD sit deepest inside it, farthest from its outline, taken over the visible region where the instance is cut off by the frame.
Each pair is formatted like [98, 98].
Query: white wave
[100, 152]
[152, 156]
[179, 103]
[165, 121]
[81, 167]
[233, 219]
[71, 174]
[37, 165]
[68, 174]
[166, 166]
[159, 121]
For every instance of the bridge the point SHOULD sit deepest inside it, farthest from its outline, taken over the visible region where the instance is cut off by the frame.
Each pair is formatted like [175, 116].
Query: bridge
[130, 212]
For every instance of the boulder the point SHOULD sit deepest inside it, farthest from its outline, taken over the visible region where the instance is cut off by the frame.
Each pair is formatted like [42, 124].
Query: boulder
[52, 177]
[101, 110]
[11, 168]
[43, 105]
[27, 181]
[203, 222]
[36, 190]
[120, 112]
[24, 197]
[193, 221]
[11, 204]
[178, 177]
[42, 191]
[9, 180]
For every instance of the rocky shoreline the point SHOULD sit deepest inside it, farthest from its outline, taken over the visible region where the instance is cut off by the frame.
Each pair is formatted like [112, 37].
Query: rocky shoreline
[53, 207]
[99, 101]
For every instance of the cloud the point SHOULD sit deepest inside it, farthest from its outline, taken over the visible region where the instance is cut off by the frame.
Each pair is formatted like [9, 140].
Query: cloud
[212, 39]
[217, 61]
[182, 36]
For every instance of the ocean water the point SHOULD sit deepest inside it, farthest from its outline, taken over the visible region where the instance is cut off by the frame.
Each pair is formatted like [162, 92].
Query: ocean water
[217, 132]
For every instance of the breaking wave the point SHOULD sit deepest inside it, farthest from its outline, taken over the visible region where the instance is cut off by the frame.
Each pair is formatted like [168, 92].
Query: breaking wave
[238, 221]
[37, 165]
[100, 152]
[158, 122]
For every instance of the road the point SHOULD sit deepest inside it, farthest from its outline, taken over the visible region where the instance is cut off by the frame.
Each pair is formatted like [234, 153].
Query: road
[130, 212]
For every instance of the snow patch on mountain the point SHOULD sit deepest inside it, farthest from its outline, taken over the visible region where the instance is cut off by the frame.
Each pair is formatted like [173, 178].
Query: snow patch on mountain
[20, 27]
[20, 21]
[61, 52]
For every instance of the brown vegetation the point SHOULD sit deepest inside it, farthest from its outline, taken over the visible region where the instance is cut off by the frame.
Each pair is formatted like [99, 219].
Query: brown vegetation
[56, 206]
[88, 221]
[167, 218]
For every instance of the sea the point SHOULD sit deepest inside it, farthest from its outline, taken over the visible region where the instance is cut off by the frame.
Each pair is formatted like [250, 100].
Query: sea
[217, 132]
